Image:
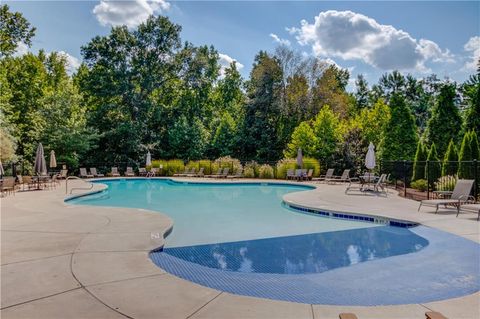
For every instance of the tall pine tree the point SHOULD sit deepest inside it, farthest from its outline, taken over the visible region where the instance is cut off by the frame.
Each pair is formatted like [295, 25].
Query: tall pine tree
[433, 171]
[450, 160]
[419, 163]
[464, 157]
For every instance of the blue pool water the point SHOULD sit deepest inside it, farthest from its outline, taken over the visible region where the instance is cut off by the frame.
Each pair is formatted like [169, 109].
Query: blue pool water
[239, 238]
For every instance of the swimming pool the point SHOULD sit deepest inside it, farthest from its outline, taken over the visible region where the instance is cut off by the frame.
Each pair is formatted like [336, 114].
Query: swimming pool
[240, 238]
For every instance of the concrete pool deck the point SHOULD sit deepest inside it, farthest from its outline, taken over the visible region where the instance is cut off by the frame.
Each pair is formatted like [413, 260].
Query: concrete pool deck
[64, 261]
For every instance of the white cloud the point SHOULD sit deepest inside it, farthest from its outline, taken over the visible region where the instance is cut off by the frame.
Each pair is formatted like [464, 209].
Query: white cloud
[73, 63]
[279, 40]
[129, 13]
[225, 62]
[349, 35]
[473, 47]
[22, 49]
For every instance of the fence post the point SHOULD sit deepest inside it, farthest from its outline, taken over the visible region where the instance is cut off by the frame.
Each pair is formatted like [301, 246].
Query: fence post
[404, 178]
[475, 178]
[428, 178]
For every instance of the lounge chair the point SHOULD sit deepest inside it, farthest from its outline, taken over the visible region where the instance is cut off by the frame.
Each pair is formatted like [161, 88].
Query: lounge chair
[185, 173]
[192, 173]
[83, 173]
[94, 172]
[142, 171]
[309, 174]
[434, 315]
[460, 195]
[381, 184]
[298, 174]
[238, 174]
[153, 171]
[345, 177]
[129, 172]
[325, 177]
[290, 174]
[470, 208]
[224, 173]
[63, 174]
[200, 172]
[219, 173]
[115, 172]
[347, 315]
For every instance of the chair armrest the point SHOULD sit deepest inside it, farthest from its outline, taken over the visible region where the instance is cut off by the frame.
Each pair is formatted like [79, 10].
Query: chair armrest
[466, 199]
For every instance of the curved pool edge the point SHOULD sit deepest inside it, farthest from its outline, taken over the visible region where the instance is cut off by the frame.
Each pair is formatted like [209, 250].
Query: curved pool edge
[238, 182]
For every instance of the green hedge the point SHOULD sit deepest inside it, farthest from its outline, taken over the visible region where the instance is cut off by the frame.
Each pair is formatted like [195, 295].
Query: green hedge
[265, 171]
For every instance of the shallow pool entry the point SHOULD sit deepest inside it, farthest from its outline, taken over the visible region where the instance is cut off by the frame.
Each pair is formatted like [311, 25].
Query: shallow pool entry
[303, 254]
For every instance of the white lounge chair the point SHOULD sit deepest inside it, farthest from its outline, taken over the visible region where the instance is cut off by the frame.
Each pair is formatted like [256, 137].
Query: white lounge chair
[325, 177]
[129, 172]
[115, 172]
[345, 177]
[460, 195]
[83, 173]
[93, 171]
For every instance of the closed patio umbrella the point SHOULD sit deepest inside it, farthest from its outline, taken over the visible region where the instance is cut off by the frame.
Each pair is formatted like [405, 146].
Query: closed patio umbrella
[40, 167]
[148, 162]
[370, 157]
[53, 159]
[299, 158]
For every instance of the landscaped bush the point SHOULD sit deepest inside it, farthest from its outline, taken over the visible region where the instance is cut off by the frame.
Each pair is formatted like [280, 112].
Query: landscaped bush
[253, 166]
[248, 172]
[420, 185]
[283, 165]
[226, 161]
[309, 163]
[265, 171]
[205, 164]
[169, 167]
[446, 183]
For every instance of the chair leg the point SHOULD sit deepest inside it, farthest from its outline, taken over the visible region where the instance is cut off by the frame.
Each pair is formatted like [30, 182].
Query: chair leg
[436, 211]
[419, 207]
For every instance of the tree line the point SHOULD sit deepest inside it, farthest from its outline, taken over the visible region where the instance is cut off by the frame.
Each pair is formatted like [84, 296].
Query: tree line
[145, 89]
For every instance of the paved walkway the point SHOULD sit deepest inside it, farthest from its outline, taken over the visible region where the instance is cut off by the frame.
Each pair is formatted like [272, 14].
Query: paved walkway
[63, 261]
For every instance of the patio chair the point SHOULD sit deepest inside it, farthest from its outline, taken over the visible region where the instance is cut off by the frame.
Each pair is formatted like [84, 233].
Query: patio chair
[129, 172]
[27, 181]
[93, 171]
[309, 174]
[8, 185]
[224, 173]
[142, 171]
[290, 174]
[460, 195]
[238, 174]
[115, 172]
[325, 177]
[219, 172]
[381, 184]
[63, 174]
[200, 172]
[185, 173]
[345, 177]
[470, 208]
[192, 173]
[347, 315]
[83, 173]
[298, 174]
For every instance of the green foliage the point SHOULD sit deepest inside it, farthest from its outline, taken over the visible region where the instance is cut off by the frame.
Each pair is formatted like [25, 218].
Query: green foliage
[446, 183]
[14, 29]
[420, 185]
[326, 127]
[265, 171]
[7, 145]
[400, 136]
[252, 167]
[373, 122]
[471, 92]
[474, 146]
[302, 137]
[434, 168]
[465, 155]
[188, 140]
[284, 165]
[450, 160]
[232, 164]
[445, 122]
[249, 172]
[224, 139]
[311, 163]
[419, 162]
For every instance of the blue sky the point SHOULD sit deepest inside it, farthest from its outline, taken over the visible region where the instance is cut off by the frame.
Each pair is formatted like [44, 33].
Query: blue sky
[366, 37]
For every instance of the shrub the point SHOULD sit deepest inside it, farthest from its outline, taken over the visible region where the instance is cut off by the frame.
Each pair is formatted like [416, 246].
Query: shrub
[253, 166]
[446, 183]
[265, 171]
[419, 163]
[249, 172]
[309, 163]
[419, 184]
[285, 164]
[205, 164]
[226, 161]
[169, 167]
[434, 168]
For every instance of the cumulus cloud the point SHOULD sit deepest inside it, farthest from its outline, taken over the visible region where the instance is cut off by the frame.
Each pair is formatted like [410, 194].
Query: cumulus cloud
[73, 63]
[351, 35]
[279, 40]
[129, 13]
[225, 62]
[473, 47]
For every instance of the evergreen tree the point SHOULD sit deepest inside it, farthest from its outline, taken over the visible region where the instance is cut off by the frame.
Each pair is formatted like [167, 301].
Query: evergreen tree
[445, 122]
[450, 160]
[464, 157]
[400, 137]
[433, 170]
[474, 147]
[188, 140]
[223, 142]
[471, 92]
[419, 162]
[302, 137]
[362, 92]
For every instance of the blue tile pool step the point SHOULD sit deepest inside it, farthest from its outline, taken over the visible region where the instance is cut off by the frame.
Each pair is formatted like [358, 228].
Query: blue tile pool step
[351, 216]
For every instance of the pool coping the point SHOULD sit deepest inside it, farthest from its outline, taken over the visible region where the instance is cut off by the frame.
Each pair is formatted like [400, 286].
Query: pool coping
[212, 301]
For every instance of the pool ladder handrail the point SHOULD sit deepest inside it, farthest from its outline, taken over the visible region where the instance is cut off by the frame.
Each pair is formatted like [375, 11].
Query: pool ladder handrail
[81, 188]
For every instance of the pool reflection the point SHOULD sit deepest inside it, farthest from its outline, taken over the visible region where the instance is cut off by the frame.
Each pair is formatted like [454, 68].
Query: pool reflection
[302, 254]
